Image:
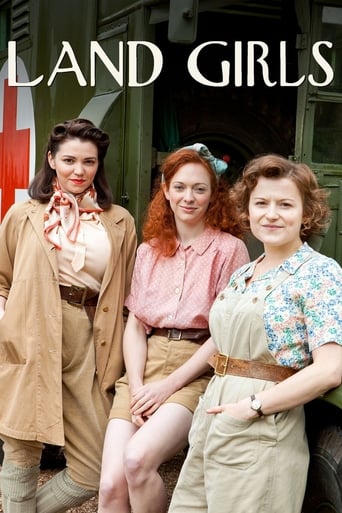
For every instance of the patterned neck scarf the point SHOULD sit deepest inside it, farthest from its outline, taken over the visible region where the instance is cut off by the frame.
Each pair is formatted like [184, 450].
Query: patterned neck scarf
[64, 210]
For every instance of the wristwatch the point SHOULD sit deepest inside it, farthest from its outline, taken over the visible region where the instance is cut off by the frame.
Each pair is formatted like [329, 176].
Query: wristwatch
[256, 405]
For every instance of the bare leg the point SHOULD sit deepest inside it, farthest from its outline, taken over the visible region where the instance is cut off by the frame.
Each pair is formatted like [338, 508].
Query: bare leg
[159, 439]
[113, 494]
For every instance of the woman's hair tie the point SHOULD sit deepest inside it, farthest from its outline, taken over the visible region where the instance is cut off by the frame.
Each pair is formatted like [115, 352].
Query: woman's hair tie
[219, 166]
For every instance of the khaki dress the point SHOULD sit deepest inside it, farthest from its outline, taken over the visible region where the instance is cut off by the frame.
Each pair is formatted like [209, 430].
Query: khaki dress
[236, 465]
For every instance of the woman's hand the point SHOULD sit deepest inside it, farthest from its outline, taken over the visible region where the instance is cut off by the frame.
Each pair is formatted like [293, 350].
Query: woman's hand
[147, 398]
[239, 410]
[139, 420]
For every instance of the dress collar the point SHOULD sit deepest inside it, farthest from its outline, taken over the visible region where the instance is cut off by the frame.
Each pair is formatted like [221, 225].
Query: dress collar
[290, 265]
[202, 242]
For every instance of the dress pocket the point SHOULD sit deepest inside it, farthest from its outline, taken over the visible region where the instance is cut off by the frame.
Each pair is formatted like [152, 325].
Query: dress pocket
[234, 442]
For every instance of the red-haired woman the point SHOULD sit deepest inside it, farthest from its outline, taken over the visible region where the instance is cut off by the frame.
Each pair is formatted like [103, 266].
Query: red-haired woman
[191, 247]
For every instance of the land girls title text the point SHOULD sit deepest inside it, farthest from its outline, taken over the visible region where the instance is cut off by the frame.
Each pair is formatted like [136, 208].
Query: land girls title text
[250, 58]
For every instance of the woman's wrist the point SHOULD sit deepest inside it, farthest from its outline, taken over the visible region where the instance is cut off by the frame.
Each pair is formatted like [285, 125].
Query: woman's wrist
[173, 383]
[134, 385]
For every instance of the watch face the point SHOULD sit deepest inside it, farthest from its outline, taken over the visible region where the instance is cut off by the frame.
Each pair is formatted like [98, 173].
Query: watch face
[256, 405]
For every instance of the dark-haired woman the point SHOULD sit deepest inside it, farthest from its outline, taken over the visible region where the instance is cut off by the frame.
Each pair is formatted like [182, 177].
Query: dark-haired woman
[66, 259]
[191, 246]
[277, 327]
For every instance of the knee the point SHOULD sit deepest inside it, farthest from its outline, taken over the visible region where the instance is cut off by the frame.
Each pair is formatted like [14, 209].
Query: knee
[136, 466]
[112, 488]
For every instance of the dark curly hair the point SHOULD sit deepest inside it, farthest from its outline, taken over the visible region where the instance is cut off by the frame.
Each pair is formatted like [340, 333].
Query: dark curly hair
[316, 212]
[41, 187]
[159, 227]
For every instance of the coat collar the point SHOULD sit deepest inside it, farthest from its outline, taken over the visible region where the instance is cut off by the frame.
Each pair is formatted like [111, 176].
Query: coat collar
[111, 220]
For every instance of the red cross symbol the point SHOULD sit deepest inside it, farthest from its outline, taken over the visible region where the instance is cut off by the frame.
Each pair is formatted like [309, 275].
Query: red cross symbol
[14, 151]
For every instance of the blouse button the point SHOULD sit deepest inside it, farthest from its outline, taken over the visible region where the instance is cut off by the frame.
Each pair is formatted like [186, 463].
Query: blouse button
[254, 300]
[221, 297]
[268, 287]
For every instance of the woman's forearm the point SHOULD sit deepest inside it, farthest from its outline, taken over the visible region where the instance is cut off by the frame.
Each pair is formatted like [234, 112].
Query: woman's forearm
[134, 351]
[316, 379]
[194, 367]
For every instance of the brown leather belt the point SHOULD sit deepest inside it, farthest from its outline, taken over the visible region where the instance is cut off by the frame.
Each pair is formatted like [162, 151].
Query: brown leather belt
[78, 296]
[224, 364]
[194, 335]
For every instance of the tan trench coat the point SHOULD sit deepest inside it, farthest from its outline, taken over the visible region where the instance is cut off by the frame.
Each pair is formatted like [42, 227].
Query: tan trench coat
[31, 329]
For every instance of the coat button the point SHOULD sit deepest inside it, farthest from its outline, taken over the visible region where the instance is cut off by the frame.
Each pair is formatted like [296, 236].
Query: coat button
[105, 309]
[103, 342]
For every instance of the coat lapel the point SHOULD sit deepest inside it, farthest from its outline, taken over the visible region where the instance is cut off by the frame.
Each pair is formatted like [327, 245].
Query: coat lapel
[35, 213]
[110, 220]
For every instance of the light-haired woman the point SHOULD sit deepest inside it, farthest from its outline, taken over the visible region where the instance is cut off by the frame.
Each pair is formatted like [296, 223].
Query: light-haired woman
[277, 328]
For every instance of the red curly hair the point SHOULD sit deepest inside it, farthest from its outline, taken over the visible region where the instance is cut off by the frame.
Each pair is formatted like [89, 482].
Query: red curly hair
[159, 228]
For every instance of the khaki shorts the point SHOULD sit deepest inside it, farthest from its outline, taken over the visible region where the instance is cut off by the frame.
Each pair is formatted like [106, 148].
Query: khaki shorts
[163, 357]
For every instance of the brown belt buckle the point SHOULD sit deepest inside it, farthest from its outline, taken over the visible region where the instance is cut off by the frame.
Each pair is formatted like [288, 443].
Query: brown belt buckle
[221, 364]
[172, 336]
[75, 290]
